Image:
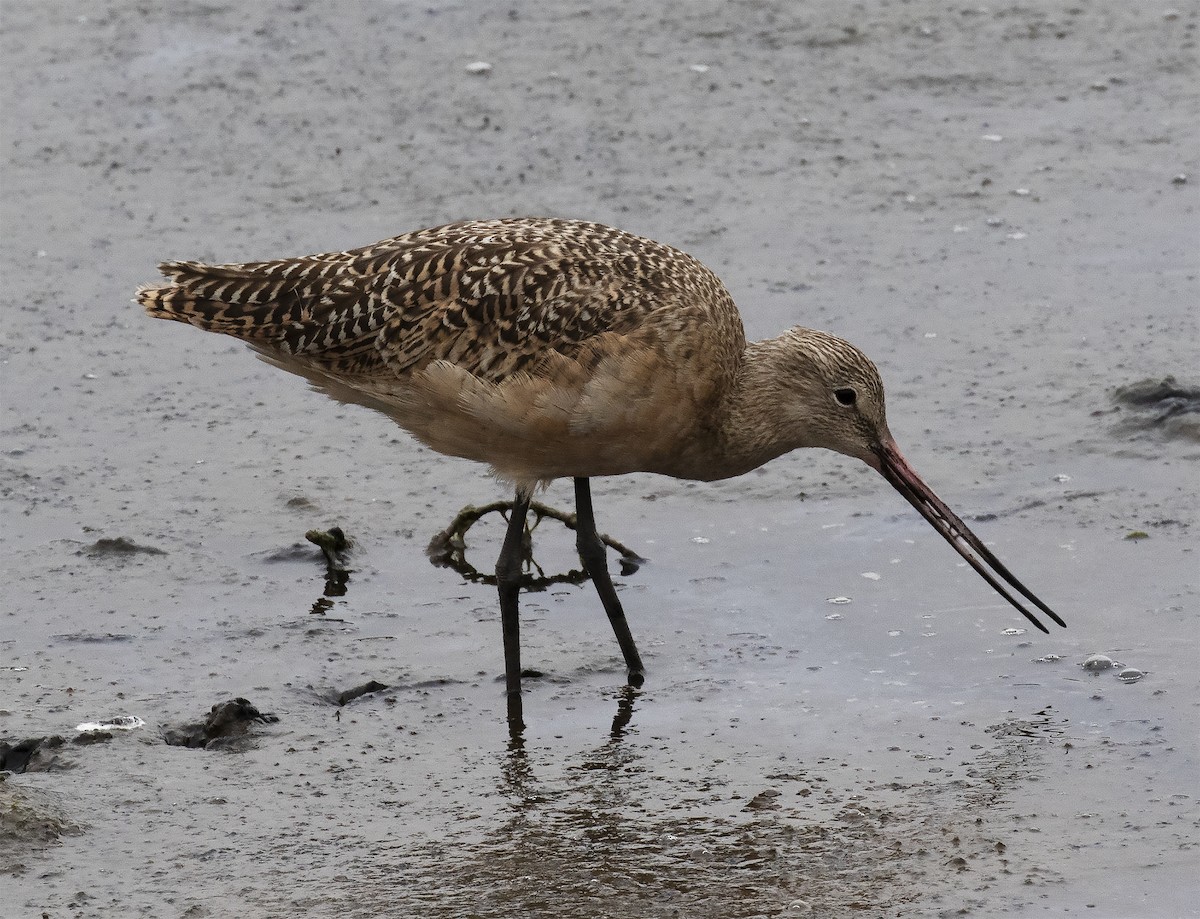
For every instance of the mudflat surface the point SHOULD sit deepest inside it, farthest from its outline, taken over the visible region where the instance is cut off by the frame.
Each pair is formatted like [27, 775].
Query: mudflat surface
[998, 203]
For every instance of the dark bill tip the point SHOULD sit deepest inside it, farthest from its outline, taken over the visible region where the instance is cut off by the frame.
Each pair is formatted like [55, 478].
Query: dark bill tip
[895, 468]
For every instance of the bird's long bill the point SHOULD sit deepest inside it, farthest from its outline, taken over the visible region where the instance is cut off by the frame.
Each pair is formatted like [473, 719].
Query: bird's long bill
[895, 468]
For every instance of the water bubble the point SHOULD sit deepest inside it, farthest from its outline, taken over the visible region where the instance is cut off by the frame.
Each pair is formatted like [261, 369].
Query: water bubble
[1047, 659]
[700, 540]
[1098, 662]
[871, 575]
[838, 600]
[1130, 675]
[1013, 632]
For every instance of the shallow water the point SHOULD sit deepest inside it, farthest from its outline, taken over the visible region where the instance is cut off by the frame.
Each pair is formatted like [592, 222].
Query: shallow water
[914, 751]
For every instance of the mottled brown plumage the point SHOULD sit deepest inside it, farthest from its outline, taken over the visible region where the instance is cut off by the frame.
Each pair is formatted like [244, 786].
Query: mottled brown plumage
[549, 348]
[542, 347]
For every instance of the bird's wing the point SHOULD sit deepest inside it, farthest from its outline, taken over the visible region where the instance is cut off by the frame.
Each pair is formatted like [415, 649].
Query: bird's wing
[492, 297]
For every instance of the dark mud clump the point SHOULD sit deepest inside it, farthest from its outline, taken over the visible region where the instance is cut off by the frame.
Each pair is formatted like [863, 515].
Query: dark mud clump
[1163, 407]
[227, 726]
[43, 754]
[119, 547]
[357, 692]
[335, 545]
[30, 754]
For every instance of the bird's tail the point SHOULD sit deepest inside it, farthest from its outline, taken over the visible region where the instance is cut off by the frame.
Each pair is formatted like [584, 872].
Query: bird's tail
[235, 300]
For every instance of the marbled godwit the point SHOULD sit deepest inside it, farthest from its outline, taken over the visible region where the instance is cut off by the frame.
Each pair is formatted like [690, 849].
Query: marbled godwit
[549, 348]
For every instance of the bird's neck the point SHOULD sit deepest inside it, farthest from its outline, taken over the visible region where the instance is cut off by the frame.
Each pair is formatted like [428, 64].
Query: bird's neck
[752, 422]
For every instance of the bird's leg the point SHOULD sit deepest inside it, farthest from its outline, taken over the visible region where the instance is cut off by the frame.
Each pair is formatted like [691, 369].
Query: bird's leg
[592, 554]
[508, 578]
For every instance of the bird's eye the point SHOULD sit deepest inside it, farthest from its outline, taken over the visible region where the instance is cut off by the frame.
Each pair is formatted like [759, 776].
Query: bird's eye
[846, 396]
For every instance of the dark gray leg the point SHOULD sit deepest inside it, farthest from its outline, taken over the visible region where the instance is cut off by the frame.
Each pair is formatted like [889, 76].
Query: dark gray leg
[508, 578]
[592, 554]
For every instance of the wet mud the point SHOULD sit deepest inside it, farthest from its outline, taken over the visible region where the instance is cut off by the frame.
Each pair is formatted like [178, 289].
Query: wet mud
[999, 204]
[31, 820]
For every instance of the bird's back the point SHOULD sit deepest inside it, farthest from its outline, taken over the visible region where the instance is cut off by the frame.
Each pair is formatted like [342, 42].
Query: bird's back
[544, 347]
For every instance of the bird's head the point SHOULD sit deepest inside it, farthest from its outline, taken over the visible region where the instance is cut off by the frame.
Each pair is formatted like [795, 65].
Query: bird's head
[834, 394]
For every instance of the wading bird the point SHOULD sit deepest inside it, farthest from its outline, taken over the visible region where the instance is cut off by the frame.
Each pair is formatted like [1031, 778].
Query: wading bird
[550, 348]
